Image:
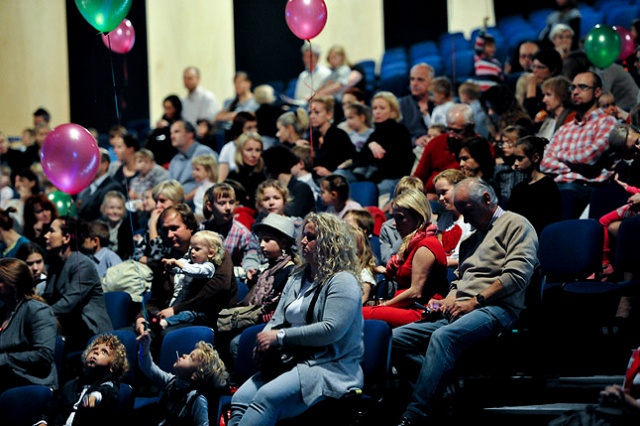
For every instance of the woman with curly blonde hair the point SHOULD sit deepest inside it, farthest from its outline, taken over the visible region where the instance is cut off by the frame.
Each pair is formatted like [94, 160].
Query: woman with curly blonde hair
[419, 267]
[318, 315]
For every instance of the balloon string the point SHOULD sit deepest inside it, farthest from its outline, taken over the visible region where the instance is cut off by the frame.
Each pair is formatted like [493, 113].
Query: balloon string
[113, 79]
[313, 94]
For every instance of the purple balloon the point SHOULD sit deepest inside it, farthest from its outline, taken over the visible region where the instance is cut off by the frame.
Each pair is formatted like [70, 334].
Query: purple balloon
[70, 157]
[122, 38]
[627, 44]
[306, 18]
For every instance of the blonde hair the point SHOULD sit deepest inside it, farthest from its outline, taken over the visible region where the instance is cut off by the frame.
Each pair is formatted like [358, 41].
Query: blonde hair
[339, 50]
[241, 142]
[144, 153]
[172, 189]
[328, 102]
[211, 370]
[409, 182]
[452, 176]
[392, 100]
[364, 253]
[275, 184]
[335, 249]
[119, 363]
[213, 241]
[208, 163]
[298, 120]
[417, 204]
[113, 194]
[263, 94]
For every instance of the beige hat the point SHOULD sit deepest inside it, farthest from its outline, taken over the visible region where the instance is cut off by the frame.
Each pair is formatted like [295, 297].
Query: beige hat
[278, 223]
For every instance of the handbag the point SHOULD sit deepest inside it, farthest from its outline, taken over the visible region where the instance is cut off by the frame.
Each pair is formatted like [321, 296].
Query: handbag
[282, 359]
[239, 317]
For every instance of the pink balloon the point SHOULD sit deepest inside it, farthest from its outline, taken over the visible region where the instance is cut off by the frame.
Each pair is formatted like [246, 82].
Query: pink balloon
[122, 38]
[306, 18]
[70, 157]
[627, 44]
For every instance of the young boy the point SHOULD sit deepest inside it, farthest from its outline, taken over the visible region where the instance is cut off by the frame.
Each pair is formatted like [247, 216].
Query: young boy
[302, 170]
[149, 175]
[92, 399]
[196, 374]
[120, 234]
[95, 241]
[205, 253]
[335, 195]
[487, 67]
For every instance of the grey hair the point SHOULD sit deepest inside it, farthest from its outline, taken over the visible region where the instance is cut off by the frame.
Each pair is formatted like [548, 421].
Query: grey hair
[313, 47]
[460, 109]
[432, 72]
[559, 28]
[476, 188]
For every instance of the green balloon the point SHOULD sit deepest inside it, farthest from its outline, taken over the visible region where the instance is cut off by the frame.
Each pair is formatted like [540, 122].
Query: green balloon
[63, 202]
[602, 46]
[104, 15]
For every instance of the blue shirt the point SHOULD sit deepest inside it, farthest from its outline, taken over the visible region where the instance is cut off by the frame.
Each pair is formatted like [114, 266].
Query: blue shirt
[180, 166]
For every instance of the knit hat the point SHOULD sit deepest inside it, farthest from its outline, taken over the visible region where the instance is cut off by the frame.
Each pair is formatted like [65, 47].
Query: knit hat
[481, 41]
[281, 224]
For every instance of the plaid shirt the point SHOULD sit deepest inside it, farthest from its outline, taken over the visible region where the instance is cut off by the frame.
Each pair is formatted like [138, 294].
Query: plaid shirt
[580, 144]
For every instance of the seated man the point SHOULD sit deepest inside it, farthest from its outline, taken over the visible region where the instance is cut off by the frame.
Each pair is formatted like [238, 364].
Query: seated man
[496, 264]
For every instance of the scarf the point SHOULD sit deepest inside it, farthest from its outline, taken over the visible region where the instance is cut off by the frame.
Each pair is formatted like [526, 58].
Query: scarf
[259, 293]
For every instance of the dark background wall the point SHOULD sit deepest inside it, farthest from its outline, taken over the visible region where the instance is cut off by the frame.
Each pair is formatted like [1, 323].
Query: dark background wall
[264, 45]
[91, 84]
[410, 21]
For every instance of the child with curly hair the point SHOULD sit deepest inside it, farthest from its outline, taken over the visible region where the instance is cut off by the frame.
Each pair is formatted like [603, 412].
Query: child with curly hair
[93, 397]
[197, 375]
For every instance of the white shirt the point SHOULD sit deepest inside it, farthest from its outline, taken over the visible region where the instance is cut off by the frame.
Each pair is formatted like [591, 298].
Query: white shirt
[315, 80]
[228, 154]
[202, 103]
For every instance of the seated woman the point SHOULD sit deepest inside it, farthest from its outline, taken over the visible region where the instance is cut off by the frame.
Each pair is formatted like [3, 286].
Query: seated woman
[243, 122]
[73, 287]
[292, 127]
[452, 228]
[558, 109]
[250, 171]
[476, 160]
[419, 267]
[388, 148]
[318, 313]
[33, 255]
[28, 330]
[10, 240]
[39, 212]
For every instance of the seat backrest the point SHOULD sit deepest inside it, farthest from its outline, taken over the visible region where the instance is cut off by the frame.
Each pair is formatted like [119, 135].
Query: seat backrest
[570, 250]
[244, 366]
[606, 199]
[365, 193]
[627, 248]
[243, 290]
[182, 341]
[117, 304]
[376, 363]
[24, 405]
[59, 358]
[125, 402]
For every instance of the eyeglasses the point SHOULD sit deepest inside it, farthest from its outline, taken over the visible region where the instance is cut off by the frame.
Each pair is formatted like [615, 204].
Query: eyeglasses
[309, 237]
[581, 87]
[456, 131]
[539, 67]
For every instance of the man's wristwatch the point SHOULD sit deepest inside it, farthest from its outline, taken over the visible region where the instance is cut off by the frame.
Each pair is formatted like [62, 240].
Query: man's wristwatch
[481, 300]
[280, 337]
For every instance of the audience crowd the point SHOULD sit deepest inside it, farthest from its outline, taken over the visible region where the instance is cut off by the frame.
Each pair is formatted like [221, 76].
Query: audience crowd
[466, 178]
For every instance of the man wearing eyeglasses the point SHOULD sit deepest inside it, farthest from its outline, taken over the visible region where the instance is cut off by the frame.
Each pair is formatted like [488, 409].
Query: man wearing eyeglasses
[442, 151]
[579, 155]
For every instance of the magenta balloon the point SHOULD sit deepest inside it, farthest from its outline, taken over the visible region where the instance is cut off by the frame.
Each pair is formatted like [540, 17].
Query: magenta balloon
[122, 38]
[70, 157]
[306, 18]
[627, 44]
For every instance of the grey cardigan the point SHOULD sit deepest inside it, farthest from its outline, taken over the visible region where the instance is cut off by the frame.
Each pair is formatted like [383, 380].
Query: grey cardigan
[27, 346]
[336, 332]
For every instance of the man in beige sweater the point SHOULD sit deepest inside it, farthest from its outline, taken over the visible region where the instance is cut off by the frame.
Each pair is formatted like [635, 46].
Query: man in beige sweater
[496, 265]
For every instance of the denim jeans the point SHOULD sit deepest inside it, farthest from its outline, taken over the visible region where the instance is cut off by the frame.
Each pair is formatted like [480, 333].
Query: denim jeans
[258, 402]
[426, 353]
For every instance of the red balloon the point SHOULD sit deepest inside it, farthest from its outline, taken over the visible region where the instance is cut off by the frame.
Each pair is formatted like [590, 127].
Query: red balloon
[70, 157]
[627, 44]
[122, 38]
[306, 18]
